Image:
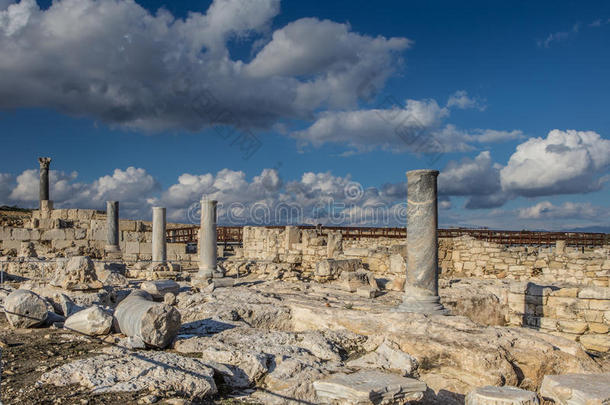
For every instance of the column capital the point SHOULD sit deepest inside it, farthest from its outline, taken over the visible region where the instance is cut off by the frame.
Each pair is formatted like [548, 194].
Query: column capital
[422, 172]
[45, 162]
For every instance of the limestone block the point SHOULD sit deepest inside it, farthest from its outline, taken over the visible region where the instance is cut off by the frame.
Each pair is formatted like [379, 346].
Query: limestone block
[368, 387]
[146, 248]
[127, 225]
[132, 248]
[577, 389]
[20, 234]
[576, 327]
[387, 356]
[25, 309]
[93, 321]
[397, 284]
[397, 264]
[367, 292]
[600, 305]
[596, 327]
[490, 395]
[329, 269]
[77, 274]
[598, 293]
[469, 266]
[158, 288]
[598, 343]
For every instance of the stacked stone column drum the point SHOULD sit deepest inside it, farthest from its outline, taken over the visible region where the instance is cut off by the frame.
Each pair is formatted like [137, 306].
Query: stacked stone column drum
[207, 240]
[112, 226]
[159, 246]
[421, 286]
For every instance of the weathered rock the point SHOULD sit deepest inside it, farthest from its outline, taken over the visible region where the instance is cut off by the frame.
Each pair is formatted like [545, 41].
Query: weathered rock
[330, 269]
[368, 387]
[155, 323]
[27, 250]
[92, 321]
[485, 355]
[491, 395]
[78, 274]
[124, 371]
[286, 363]
[596, 343]
[25, 309]
[159, 288]
[169, 299]
[577, 389]
[65, 305]
[111, 274]
[387, 356]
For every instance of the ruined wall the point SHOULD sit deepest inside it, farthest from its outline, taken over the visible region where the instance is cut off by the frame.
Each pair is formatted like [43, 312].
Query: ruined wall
[78, 231]
[577, 313]
[468, 257]
[458, 257]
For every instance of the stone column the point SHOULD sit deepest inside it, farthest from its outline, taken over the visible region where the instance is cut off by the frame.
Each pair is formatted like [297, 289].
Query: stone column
[207, 240]
[112, 226]
[421, 286]
[46, 205]
[159, 247]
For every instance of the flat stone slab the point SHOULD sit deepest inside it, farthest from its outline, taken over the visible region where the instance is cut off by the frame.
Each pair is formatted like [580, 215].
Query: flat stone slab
[490, 395]
[118, 370]
[368, 387]
[577, 389]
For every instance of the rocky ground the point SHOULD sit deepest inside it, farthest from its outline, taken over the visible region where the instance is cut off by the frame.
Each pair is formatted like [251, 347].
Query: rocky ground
[270, 341]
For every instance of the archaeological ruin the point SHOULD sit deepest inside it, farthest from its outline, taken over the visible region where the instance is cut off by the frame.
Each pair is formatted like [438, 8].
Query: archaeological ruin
[101, 309]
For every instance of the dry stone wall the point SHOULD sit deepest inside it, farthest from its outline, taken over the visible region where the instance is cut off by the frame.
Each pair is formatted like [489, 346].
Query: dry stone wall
[79, 231]
[580, 313]
[468, 257]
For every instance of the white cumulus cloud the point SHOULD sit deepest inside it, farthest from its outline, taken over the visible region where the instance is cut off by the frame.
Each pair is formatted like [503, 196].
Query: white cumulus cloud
[565, 162]
[121, 64]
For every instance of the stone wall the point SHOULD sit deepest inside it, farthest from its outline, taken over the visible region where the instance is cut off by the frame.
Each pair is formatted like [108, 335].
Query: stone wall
[577, 313]
[468, 257]
[79, 231]
[458, 257]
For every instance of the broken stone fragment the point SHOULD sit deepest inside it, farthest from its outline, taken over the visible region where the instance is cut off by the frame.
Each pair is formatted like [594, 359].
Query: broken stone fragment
[77, 274]
[368, 387]
[93, 321]
[155, 323]
[118, 370]
[159, 288]
[387, 356]
[25, 309]
[577, 389]
[490, 395]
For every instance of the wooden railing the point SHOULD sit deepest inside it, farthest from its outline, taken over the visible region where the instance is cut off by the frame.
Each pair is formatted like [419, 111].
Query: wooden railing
[234, 234]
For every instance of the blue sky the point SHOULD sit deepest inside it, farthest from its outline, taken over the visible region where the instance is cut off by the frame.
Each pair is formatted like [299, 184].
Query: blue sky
[315, 82]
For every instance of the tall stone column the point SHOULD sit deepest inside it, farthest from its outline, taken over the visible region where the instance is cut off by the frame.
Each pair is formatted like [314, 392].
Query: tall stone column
[207, 240]
[46, 205]
[421, 286]
[112, 226]
[159, 247]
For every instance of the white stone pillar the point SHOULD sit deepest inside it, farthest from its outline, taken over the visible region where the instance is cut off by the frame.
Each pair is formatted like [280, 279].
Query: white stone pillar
[207, 240]
[112, 226]
[159, 247]
[421, 286]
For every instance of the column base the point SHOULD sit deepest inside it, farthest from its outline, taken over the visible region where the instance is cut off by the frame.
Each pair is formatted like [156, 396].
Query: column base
[46, 206]
[430, 305]
[206, 274]
[112, 252]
